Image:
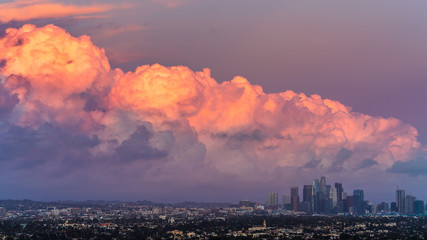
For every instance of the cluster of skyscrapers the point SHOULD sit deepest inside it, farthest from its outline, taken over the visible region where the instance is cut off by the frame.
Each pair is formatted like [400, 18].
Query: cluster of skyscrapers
[323, 198]
[407, 204]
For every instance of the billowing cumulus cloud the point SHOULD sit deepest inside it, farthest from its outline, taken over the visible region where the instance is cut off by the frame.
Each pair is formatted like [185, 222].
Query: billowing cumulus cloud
[160, 131]
[52, 74]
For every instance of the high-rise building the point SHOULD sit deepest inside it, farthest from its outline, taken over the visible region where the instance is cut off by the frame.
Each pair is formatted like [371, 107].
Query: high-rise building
[307, 198]
[340, 191]
[319, 206]
[294, 198]
[272, 201]
[333, 196]
[321, 203]
[400, 200]
[409, 204]
[323, 187]
[343, 206]
[307, 193]
[349, 203]
[419, 207]
[316, 186]
[315, 202]
[341, 195]
[358, 202]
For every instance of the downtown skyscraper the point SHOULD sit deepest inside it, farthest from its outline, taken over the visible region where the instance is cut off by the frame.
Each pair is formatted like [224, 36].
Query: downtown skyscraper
[307, 193]
[358, 202]
[400, 200]
[321, 196]
[294, 198]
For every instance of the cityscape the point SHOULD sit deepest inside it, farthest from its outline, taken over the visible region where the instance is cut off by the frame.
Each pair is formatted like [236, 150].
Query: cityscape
[324, 212]
[189, 119]
[323, 198]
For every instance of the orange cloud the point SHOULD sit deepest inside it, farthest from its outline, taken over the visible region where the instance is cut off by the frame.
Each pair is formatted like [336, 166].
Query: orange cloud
[159, 92]
[22, 10]
[67, 81]
[56, 67]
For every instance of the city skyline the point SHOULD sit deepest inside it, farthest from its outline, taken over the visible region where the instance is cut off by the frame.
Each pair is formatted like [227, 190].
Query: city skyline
[212, 100]
[323, 198]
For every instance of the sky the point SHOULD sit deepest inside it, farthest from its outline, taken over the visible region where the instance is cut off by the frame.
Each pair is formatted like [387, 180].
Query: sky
[177, 100]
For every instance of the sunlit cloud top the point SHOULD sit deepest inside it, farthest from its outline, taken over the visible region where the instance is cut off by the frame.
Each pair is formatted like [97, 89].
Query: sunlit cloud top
[71, 120]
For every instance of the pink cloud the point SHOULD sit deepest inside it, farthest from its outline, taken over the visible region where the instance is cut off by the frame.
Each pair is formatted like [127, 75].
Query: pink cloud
[158, 124]
[22, 10]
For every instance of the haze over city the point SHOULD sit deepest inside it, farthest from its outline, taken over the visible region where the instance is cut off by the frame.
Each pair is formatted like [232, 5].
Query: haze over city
[211, 100]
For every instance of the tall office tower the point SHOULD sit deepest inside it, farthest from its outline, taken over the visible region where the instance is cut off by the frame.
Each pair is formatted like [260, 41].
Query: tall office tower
[328, 192]
[344, 202]
[333, 196]
[307, 198]
[323, 187]
[400, 200]
[307, 193]
[316, 186]
[315, 199]
[349, 204]
[272, 201]
[358, 202]
[320, 202]
[409, 204]
[294, 198]
[419, 207]
[286, 201]
[340, 191]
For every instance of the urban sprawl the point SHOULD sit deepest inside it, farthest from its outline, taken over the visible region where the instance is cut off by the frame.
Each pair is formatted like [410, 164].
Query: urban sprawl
[325, 212]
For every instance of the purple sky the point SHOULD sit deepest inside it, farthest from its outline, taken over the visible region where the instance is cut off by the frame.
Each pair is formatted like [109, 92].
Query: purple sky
[369, 56]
